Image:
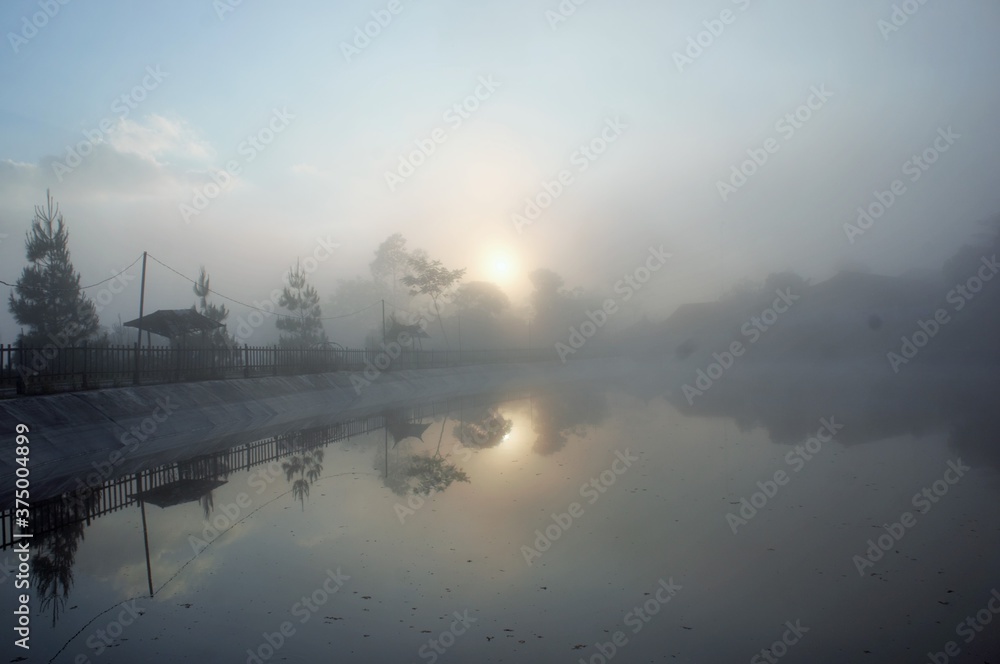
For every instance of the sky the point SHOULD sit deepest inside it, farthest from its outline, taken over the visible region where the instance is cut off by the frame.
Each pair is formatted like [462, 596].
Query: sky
[243, 137]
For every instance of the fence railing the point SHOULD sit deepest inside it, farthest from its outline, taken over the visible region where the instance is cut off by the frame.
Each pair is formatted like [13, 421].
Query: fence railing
[52, 369]
[50, 514]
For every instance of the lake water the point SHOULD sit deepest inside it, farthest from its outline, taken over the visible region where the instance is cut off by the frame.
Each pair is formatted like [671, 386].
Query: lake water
[591, 523]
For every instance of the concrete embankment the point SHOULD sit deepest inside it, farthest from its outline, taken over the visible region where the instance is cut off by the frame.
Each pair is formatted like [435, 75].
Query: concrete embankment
[70, 432]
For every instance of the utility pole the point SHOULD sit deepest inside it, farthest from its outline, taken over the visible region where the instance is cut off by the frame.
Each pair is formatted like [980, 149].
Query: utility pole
[142, 303]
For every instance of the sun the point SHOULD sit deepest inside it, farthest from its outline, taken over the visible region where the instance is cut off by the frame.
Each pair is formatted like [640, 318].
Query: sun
[501, 268]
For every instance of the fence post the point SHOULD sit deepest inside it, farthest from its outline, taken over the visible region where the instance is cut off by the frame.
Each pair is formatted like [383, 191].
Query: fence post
[275, 359]
[246, 361]
[135, 379]
[84, 380]
[22, 387]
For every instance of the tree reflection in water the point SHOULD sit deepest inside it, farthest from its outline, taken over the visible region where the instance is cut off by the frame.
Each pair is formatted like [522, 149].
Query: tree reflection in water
[558, 415]
[55, 551]
[305, 465]
[408, 473]
[489, 430]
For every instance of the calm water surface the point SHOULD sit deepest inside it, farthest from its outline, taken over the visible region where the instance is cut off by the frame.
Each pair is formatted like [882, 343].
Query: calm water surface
[561, 526]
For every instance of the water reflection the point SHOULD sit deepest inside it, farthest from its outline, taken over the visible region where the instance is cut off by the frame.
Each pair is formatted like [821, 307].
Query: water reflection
[213, 468]
[560, 414]
[487, 428]
[958, 402]
[304, 464]
[409, 472]
[62, 521]
[55, 552]
[502, 466]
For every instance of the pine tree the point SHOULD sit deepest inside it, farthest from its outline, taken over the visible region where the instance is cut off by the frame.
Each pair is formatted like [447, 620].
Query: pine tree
[216, 312]
[48, 298]
[304, 326]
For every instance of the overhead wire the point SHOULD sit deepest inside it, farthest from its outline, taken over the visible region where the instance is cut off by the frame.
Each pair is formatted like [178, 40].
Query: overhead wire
[250, 306]
[184, 276]
[114, 276]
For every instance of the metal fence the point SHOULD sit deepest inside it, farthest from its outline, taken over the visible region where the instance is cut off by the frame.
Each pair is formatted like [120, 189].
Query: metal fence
[51, 369]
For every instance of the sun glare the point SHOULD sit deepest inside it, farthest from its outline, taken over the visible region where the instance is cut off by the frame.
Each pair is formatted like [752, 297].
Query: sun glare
[501, 268]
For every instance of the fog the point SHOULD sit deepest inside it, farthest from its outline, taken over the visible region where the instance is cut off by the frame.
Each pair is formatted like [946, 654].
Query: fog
[198, 80]
[485, 247]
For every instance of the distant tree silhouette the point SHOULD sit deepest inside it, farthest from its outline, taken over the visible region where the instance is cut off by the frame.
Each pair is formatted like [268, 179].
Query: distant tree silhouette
[390, 262]
[216, 312]
[304, 326]
[481, 298]
[431, 278]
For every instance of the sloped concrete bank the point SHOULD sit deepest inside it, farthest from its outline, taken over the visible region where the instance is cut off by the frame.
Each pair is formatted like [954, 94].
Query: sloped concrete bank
[68, 432]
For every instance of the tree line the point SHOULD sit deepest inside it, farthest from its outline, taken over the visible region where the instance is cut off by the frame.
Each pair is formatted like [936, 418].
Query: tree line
[51, 306]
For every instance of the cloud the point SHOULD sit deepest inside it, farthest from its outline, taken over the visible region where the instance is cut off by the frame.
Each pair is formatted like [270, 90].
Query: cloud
[158, 139]
[153, 157]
